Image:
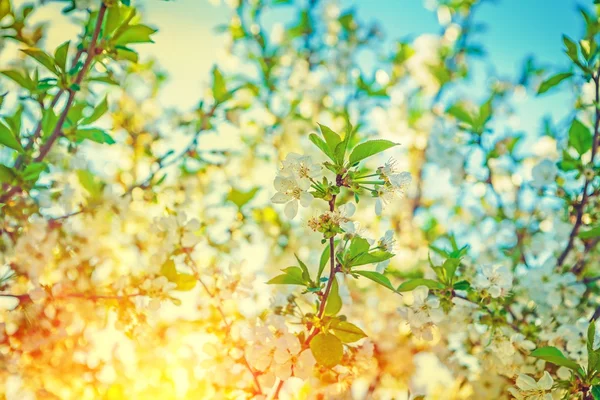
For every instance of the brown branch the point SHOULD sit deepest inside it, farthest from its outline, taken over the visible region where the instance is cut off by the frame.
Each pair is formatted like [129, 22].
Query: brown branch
[584, 197]
[91, 53]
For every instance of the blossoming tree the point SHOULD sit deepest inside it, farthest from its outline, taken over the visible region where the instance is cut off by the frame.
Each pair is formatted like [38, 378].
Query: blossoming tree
[230, 251]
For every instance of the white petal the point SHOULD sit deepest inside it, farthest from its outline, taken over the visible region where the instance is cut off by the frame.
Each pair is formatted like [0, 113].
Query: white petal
[306, 199]
[304, 183]
[525, 382]
[291, 209]
[350, 209]
[420, 294]
[378, 206]
[280, 198]
[546, 381]
[280, 183]
[8, 303]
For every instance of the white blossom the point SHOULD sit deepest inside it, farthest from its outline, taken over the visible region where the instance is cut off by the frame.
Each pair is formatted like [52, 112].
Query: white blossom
[528, 389]
[290, 193]
[495, 279]
[543, 174]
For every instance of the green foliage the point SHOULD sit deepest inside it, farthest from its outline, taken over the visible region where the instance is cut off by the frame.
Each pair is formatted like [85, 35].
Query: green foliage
[553, 81]
[555, 356]
[377, 278]
[368, 149]
[415, 283]
[291, 276]
[334, 301]
[580, 137]
[9, 138]
[240, 198]
[327, 349]
[346, 331]
[594, 232]
[184, 282]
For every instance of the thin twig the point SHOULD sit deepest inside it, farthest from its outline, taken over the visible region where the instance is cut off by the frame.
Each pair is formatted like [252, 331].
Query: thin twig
[584, 197]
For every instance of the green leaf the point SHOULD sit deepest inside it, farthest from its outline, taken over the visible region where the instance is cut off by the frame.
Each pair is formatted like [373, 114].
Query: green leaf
[450, 266]
[127, 54]
[460, 113]
[346, 331]
[368, 149]
[373, 257]
[415, 283]
[292, 276]
[461, 285]
[580, 137]
[93, 134]
[219, 88]
[376, 277]
[49, 120]
[590, 233]
[43, 58]
[60, 55]
[21, 79]
[554, 356]
[553, 81]
[596, 389]
[572, 50]
[304, 268]
[323, 261]
[90, 183]
[331, 138]
[135, 34]
[6, 175]
[98, 112]
[32, 171]
[320, 143]
[327, 349]
[8, 139]
[334, 301]
[240, 198]
[184, 282]
[358, 246]
[593, 354]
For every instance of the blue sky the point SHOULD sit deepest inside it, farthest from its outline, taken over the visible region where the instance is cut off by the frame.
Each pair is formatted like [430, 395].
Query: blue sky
[515, 29]
[187, 45]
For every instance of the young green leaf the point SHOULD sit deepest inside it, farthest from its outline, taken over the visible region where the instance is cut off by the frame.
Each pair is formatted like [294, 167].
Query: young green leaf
[415, 283]
[98, 112]
[320, 143]
[590, 233]
[93, 134]
[331, 138]
[553, 81]
[219, 88]
[32, 171]
[323, 261]
[580, 137]
[376, 277]
[368, 149]
[22, 80]
[6, 175]
[135, 34]
[555, 356]
[8, 139]
[373, 257]
[346, 331]
[60, 55]
[43, 58]
[334, 301]
[305, 273]
[291, 276]
[327, 349]
[240, 198]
